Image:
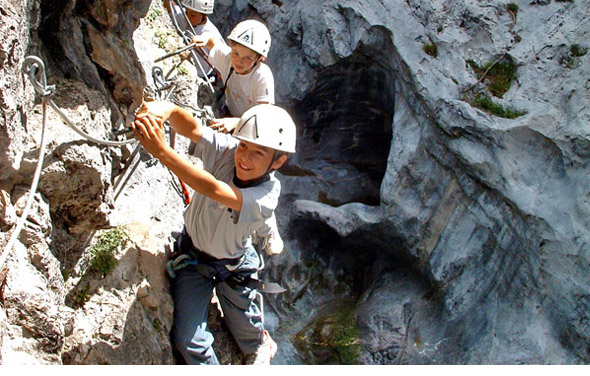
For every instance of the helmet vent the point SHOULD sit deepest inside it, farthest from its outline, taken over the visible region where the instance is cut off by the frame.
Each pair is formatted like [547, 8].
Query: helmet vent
[247, 36]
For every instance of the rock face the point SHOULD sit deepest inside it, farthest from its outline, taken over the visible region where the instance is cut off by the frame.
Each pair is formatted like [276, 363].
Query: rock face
[56, 306]
[486, 216]
[420, 228]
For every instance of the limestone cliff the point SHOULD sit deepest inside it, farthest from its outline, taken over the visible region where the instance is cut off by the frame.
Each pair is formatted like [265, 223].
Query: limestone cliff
[436, 211]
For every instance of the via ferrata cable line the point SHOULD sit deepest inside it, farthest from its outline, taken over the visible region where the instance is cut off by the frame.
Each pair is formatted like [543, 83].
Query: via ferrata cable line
[34, 67]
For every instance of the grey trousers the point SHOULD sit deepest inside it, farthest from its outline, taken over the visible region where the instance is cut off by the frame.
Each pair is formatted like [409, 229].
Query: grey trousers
[192, 290]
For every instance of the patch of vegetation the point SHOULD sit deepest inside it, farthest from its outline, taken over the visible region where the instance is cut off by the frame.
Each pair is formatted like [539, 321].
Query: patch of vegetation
[568, 59]
[162, 38]
[154, 13]
[103, 252]
[486, 103]
[182, 71]
[332, 339]
[347, 338]
[430, 49]
[576, 50]
[497, 75]
[512, 7]
[157, 325]
[81, 297]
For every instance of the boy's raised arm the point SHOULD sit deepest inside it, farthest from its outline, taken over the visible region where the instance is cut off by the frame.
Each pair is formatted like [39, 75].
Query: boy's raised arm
[180, 119]
[149, 130]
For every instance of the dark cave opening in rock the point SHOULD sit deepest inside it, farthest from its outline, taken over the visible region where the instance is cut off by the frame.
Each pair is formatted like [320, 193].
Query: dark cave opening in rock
[345, 129]
[344, 137]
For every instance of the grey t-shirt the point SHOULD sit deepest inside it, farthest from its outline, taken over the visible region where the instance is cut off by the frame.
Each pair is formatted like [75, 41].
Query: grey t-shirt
[214, 228]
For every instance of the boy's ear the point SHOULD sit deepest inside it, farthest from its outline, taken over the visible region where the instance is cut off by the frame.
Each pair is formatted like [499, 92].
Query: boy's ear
[279, 162]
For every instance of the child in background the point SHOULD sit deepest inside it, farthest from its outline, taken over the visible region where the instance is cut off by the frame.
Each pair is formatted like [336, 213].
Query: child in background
[248, 80]
[197, 12]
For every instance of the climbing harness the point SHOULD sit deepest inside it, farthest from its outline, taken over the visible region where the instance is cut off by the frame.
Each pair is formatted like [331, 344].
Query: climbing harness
[179, 262]
[186, 254]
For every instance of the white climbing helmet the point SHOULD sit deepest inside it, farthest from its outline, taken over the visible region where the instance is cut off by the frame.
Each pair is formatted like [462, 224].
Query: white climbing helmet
[201, 6]
[252, 34]
[269, 126]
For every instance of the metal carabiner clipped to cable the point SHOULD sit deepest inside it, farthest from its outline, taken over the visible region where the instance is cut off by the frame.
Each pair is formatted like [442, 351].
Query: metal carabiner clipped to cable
[35, 68]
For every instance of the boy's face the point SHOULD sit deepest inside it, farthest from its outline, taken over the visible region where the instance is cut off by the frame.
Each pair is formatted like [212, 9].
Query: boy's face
[253, 161]
[195, 18]
[242, 58]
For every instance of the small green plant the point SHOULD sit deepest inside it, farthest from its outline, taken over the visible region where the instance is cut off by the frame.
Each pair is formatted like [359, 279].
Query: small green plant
[157, 325]
[486, 103]
[577, 50]
[347, 341]
[498, 75]
[182, 71]
[513, 8]
[103, 252]
[568, 59]
[430, 49]
[161, 38]
[81, 297]
[65, 274]
[154, 13]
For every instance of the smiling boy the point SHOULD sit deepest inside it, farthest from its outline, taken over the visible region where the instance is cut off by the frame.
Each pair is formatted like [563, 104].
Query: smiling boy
[248, 80]
[235, 193]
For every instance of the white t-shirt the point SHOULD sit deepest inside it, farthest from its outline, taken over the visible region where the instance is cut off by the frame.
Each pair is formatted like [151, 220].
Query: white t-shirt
[185, 30]
[242, 91]
[214, 228]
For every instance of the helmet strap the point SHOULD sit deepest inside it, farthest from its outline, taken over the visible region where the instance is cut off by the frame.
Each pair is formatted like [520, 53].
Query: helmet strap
[255, 182]
[251, 69]
[250, 183]
[275, 157]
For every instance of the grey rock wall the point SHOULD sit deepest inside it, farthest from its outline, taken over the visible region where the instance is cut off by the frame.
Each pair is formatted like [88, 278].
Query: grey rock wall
[491, 212]
[67, 312]
[449, 235]
[125, 319]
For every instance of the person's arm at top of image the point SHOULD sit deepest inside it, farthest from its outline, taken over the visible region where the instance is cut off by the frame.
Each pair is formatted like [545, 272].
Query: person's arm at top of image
[149, 130]
[204, 40]
[224, 125]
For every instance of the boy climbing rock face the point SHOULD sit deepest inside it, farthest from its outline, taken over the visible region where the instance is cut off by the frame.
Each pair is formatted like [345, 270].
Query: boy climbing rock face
[190, 18]
[196, 10]
[235, 193]
[248, 80]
